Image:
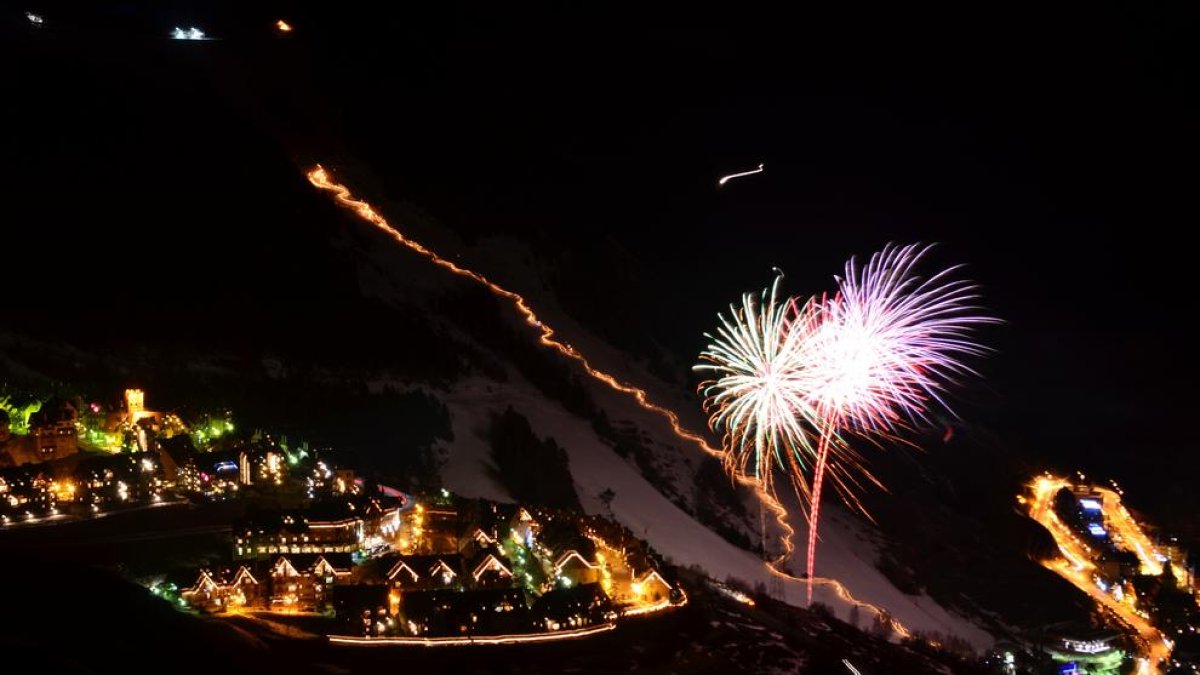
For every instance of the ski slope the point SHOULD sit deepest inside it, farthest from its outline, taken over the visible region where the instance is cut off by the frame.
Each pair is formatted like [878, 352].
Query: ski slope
[845, 554]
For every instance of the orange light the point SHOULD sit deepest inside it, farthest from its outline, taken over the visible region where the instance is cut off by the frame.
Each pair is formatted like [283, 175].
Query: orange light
[1075, 564]
[283, 26]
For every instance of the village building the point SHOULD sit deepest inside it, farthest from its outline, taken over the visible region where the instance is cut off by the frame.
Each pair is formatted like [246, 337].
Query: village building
[217, 591]
[573, 607]
[305, 582]
[341, 526]
[53, 430]
[423, 572]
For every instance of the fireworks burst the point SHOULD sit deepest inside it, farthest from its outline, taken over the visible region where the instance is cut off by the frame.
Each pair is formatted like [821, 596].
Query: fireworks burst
[795, 378]
[756, 402]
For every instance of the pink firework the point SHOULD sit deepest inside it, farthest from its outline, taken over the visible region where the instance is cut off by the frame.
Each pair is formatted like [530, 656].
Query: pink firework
[881, 351]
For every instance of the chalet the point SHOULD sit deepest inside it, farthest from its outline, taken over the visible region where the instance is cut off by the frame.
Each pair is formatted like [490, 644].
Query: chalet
[573, 565]
[489, 569]
[245, 590]
[364, 609]
[494, 611]
[474, 539]
[381, 519]
[429, 612]
[439, 529]
[424, 571]
[651, 586]
[477, 612]
[216, 591]
[53, 428]
[304, 581]
[525, 525]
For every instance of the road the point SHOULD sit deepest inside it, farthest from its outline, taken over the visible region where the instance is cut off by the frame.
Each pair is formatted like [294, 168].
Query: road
[66, 518]
[1077, 563]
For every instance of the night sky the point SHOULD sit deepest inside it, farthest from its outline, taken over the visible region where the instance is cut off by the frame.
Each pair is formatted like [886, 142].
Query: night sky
[1049, 150]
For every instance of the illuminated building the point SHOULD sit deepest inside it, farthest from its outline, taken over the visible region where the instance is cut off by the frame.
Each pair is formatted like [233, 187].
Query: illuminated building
[651, 586]
[366, 610]
[423, 572]
[217, 592]
[53, 429]
[304, 582]
[490, 568]
[573, 565]
[525, 525]
[120, 479]
[479, 612]
[135, 404]
[1092, 654]
[573, 607]
[325, 527]
[24, 493]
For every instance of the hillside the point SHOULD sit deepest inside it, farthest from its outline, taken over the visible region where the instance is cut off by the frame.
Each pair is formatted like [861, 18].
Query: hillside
[190, 256]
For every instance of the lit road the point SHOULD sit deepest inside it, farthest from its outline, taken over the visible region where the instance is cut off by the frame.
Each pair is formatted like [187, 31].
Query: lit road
[1076, 563]
[1126, 532]
[66, 518]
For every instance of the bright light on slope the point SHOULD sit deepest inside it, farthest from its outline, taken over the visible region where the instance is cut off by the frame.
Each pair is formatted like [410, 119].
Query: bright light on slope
[192, 33]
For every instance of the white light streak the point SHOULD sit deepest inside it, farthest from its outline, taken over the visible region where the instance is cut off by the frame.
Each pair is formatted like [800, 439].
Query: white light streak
[726, 179]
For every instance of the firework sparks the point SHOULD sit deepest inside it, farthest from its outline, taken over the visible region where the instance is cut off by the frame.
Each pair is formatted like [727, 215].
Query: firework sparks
[755, 402]
[888, 343]
[795, 377]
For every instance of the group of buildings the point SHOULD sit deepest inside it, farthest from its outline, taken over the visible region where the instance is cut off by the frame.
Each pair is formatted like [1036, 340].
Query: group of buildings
[381, 564]
[396, 568]
[63, 458]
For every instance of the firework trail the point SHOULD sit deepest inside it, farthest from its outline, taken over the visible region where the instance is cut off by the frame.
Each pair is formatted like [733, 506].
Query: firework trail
[726, 179]
[321, 179]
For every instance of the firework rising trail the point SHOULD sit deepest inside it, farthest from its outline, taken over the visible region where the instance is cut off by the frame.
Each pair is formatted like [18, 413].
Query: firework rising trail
[882, 351]
[321, 179]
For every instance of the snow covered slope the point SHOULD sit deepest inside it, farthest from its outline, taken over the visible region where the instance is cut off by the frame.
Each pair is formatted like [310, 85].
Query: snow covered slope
[846, 553]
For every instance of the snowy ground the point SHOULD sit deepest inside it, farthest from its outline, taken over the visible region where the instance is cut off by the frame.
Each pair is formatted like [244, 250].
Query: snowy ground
[845, 553]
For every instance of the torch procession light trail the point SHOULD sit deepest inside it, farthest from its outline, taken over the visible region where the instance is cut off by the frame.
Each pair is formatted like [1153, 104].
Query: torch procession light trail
[321, 179]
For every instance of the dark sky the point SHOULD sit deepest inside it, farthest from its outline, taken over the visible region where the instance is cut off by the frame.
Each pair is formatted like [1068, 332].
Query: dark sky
[1048, 149]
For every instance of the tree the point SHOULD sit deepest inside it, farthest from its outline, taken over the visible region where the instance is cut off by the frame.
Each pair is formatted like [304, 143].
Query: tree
[606, 498]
